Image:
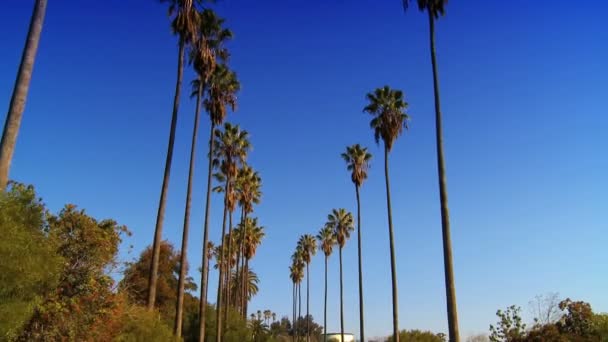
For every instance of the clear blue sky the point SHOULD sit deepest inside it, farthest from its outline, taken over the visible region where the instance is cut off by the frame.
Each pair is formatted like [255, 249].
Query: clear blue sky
[523, 87]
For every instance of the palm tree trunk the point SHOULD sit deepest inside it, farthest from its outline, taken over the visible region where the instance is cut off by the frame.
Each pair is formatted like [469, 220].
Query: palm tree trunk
[205, 263]
[450, 286]
[228, 274]
[237, 277]
[160, 216]
[177, 328]
[341, 300]
[22, 85]
[243, 275]
[307, 304]
[220, 285]
[361, 321]
[293, 311]
[246, 283]
[392, 249]
[299, 305]
[325, 305]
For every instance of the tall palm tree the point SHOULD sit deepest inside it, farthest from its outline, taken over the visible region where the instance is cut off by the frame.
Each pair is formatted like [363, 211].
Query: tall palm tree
[434, 9]
[298, 262]
[184, 25]
[205, 52]
[308, 244]
[253, 236]
[327, 240]
[248, 185]
[22, 86]
[221, 93]
[232, 149]
[388, 108]
[294, 277]
[357, 160]
[341, 222]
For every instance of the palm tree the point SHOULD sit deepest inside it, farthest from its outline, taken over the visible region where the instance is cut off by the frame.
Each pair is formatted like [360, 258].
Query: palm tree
[248, 184]
[434, 9]
[327, 240]
[298, 264]
[232, 148]
[251, 281]
[293, 275]
[274, 317]
[341, 222]
[184, 25]
[253, 235]
[308, 244]
[221, 93]
[357, 160]
[388, 108]
[267, 316]
[22, 85]
[205, 51]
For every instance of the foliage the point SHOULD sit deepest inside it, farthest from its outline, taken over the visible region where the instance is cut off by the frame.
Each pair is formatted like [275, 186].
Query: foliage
[142, 325]
[388, 108]
[510, 326]
[83, 306]
[418, 336]
[30, 268]
[135, 282]
[315, 329]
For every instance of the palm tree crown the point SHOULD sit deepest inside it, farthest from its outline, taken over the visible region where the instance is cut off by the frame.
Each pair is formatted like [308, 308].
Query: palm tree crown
[308, 245]
[341, 221]
[248, 184]
[388, 108]
[357, 159]
[223, 86]
[436, 7]
[326, 239]
[209, 45]
[185, 19]
[232, 149]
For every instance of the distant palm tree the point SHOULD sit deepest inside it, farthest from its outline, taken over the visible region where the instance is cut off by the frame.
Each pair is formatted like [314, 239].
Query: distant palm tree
[184, 25]
[434, 9]
[274, 317]
[253, 238]
[357, 160]
[308, 244]
[232, 149]
[22, 85]
[298, 263]
[388, 108]
[341, 222]
[327, 240]
[294, 279]
[205, 52]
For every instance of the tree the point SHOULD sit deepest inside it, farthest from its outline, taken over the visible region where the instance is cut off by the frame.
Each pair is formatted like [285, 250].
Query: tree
[221, 93]
[418, 336]
[22, 85]
[341, 222]
[30, 266]
[357, 160]
[577, 320]
[545, 308]
[327, 240]
[297, 274]
[308, 244]
[434, 9]
[206, 50]
[232, 149]
[253, 235]
[388, 108]
[510, 326]
[184, 25]
[83, 306]
[134, 283]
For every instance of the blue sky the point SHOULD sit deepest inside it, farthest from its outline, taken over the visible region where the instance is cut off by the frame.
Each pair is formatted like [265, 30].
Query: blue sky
[522, 87]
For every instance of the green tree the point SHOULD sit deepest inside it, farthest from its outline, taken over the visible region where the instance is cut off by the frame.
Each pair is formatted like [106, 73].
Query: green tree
[308, 244]
[434, 9]
[510, 326]
[388, 108]
[22, 85]
[418, 336]
[83, 306]
[184, 26]
[357, 160]
[221, 93]
[341, 222]
[253, 235]
[327, 240]
[30, 266]
[206, 51]
[297, 274]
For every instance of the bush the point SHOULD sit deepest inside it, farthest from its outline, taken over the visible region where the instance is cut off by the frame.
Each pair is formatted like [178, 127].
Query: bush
[141, 325]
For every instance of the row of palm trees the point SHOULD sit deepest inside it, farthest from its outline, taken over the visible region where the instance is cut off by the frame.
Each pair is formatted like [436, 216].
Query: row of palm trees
[388, 108]
[202, 38]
